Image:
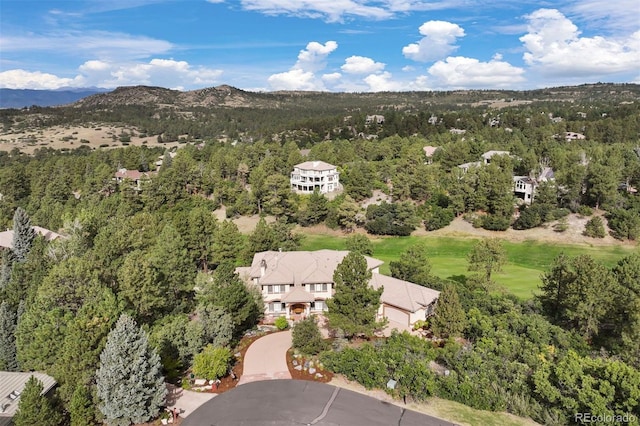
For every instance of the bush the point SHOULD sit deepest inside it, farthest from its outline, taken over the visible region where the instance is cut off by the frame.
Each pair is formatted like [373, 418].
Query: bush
[529, 218]
[438, 218]
[559, 213]
[624, 224]
[584, 210]
[493, 222]
[281, 323]
[212, 363]
[307, 337]
[391, 219]
[594, 228]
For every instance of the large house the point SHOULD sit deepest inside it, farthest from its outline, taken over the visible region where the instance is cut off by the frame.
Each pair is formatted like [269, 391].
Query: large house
[524, 187]
[6, 237]
[296, 284]
[133, 176]
[12, 385]
[311, 175]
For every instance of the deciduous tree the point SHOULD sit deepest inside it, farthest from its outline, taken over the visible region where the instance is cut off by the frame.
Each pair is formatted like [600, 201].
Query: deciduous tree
[488, 257]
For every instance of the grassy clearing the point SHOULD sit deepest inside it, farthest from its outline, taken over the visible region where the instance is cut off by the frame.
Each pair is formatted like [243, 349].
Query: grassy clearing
[521, 276]
[463, 415]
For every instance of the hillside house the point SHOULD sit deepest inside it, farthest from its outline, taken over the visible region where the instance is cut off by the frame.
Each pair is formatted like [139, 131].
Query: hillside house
[487, 156]
[428, 153]
[524, 187]
[570, 136]
[12, 385]
[297, 284]
[311, 175]
[6, 237]
[374, 119]
[133, 176]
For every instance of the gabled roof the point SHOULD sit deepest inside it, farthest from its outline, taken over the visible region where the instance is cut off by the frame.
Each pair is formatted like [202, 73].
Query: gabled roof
[12, 385]
[6, 238]
[300, 267]
[429, 150]
[489, 154]
[403, 294]
[298, 295]
[133, 174]
[315, 165]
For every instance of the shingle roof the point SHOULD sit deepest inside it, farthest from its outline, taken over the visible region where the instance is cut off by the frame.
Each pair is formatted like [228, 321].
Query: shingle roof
[403, 294]
[11, 386]
[6, 237]
[315, 165]
[300, 267]
[487, 155]
[298, 295]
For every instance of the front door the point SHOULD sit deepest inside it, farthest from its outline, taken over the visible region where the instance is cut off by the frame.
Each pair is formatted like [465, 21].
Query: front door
[297, 311]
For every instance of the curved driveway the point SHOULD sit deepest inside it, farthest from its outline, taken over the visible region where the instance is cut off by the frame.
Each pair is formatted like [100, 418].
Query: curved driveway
[266, 358]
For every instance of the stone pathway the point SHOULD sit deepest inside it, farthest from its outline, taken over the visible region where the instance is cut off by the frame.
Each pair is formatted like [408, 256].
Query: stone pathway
[266, 358]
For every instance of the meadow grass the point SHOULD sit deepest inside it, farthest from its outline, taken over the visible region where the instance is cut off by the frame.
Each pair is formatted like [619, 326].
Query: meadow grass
[448, 256]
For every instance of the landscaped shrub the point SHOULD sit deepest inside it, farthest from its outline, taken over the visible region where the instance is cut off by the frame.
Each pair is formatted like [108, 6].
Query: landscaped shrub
[559, 213]
[391, 219]
[529, 218]
[281, 323]
[212, 363]
[594, 228]
[624, 224]
[494, 222]
[307, 338]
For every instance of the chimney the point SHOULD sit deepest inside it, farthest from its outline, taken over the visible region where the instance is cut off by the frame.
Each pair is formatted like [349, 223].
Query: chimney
[263, 268]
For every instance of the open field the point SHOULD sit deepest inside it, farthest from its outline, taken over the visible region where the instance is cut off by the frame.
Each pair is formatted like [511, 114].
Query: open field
[527, 260]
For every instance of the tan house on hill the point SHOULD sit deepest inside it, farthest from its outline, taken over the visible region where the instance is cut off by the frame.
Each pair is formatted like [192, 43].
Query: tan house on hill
[311, 175]
[134, 176]
[297, 284]
[6, 237]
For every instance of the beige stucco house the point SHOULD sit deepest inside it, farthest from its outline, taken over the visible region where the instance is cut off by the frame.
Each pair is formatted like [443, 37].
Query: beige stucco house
[311, 175]
[296, 284]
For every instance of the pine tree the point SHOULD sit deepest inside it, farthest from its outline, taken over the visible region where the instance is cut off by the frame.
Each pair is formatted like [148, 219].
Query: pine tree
[449, 318]
[81, 407]
[8, 359]
[23, 235]
[130, 384]
[355, 304]
[35, 408]
[413, 265]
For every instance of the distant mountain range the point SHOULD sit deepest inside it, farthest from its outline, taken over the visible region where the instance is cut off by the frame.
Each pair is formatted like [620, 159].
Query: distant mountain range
[20, 98]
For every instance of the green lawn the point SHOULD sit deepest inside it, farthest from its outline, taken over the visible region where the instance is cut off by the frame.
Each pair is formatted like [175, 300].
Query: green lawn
[521, 276]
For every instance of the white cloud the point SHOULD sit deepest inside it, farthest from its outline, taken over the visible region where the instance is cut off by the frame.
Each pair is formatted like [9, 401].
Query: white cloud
[96, 44]
[438, 41]
[157, 72]
[21, 79]
[461, 72]
[361, 65]
[295, 79]
[329, 10]
[383, 83]
[332, 78]
[617, 17]
[555, 48]
[302, 75]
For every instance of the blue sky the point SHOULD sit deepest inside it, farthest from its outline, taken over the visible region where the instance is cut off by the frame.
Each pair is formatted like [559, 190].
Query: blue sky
[331, 45]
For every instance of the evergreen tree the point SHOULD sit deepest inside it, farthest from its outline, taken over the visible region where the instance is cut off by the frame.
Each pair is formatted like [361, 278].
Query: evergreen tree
[23, 235]
[8, 361]
[449, 318]
[228, 243]
[130, 385]
[354, 306]
[307, 338]
[413, 265]
[81, 408]
[360, 243]
[35, 408]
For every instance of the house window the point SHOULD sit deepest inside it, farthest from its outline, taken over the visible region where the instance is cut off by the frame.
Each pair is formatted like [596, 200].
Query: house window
[318, 305]
[276, 307]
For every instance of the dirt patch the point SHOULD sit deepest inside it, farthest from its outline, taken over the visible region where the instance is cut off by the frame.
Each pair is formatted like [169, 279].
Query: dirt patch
[573, 235]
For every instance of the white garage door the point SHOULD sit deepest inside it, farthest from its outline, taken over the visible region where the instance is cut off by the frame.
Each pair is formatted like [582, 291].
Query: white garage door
[396, 315]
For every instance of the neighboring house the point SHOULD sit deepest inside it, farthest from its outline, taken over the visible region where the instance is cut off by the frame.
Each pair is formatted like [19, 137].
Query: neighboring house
[311, 175]
[428, 152]
[457, 131]
[6, 237]
[374, 119]
[487, 156]
[11, 387]
[160, 160]
[570, 136]
[466, 166]
[133, 176]
[296, 284]
[524, 187]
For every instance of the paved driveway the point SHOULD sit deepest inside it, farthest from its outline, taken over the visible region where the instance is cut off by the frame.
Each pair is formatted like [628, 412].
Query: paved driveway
[296, 403]
[266, 358]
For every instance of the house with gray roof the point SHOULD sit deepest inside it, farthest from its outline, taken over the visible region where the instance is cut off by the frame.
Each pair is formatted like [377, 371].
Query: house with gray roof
[6, 237]
[311, 175]
[11, 387]
[296, 284]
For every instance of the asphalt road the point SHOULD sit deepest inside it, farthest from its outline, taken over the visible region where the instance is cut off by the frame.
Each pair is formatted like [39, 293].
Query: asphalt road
[299, 403]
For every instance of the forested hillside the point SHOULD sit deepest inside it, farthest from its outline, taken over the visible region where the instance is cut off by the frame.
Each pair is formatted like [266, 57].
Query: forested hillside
[156, 253]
